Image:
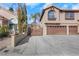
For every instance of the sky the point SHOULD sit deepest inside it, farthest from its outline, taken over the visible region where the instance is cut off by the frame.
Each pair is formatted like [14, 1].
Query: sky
[33, 8]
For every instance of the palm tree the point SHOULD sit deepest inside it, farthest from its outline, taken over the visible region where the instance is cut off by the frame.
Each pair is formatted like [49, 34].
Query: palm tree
[34, 16]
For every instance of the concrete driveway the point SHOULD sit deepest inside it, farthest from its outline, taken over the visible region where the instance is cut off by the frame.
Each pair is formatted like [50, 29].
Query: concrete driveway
[47, 46]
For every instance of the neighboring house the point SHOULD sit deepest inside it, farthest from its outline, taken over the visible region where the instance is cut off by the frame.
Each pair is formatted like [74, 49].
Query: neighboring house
[3, 21]
[56, 21]
[9, 18]
[34, 28]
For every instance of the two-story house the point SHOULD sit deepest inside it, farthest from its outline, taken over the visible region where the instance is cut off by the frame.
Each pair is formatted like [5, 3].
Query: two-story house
[56, 21]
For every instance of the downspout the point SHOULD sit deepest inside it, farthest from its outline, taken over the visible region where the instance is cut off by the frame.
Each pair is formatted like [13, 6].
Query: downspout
[59, 15]
[78, 26]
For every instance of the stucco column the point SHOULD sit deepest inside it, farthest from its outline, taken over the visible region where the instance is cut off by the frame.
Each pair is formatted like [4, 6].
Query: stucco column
[78, 27]
[44, 30]
[12, 44]
[67, 30]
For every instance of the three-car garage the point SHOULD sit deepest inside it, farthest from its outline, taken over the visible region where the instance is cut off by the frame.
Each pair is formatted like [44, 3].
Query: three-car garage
[61, 30]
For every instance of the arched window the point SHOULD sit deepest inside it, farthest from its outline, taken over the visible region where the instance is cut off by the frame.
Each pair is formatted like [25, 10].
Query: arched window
[51, 15]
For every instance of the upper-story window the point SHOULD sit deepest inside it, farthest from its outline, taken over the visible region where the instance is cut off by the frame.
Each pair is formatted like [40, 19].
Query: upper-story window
[69, 15]
[51, 15]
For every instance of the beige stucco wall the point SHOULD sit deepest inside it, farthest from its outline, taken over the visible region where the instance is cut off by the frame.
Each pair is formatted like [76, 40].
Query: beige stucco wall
[60, 17]
[45, 16]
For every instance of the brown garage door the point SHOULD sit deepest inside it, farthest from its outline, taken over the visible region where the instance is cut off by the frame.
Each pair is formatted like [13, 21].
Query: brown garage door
[72, 30]
[56, 30]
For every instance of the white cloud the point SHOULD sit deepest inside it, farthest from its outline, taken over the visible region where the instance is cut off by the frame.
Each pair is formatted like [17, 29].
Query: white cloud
[76, 6]
[47, 5]
[65, 6]
[32, 5]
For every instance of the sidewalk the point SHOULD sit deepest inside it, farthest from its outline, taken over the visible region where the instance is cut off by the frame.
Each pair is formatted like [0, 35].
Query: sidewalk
[4, 42]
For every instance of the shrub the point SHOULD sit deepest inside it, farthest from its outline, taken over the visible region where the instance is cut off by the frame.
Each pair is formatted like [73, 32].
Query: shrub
[3, 32]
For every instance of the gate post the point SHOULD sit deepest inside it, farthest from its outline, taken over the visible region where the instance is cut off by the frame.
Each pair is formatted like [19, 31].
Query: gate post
[12, 41]
[67, 30]
[78, 26]
[44, 30]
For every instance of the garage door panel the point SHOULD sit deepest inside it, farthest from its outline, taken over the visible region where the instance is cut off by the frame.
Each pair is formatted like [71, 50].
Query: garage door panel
[56, 30]
[72, 30]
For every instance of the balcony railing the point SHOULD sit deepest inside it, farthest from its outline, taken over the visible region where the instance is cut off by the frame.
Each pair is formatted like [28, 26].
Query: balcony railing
[69, 18]
[51, 18]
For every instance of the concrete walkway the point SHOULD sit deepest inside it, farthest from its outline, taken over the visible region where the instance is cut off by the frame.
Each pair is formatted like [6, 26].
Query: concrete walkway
[4, 42]
[46, 45]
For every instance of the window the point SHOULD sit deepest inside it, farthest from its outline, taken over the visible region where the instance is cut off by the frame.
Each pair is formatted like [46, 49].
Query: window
[51, 15]
[69, 15]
